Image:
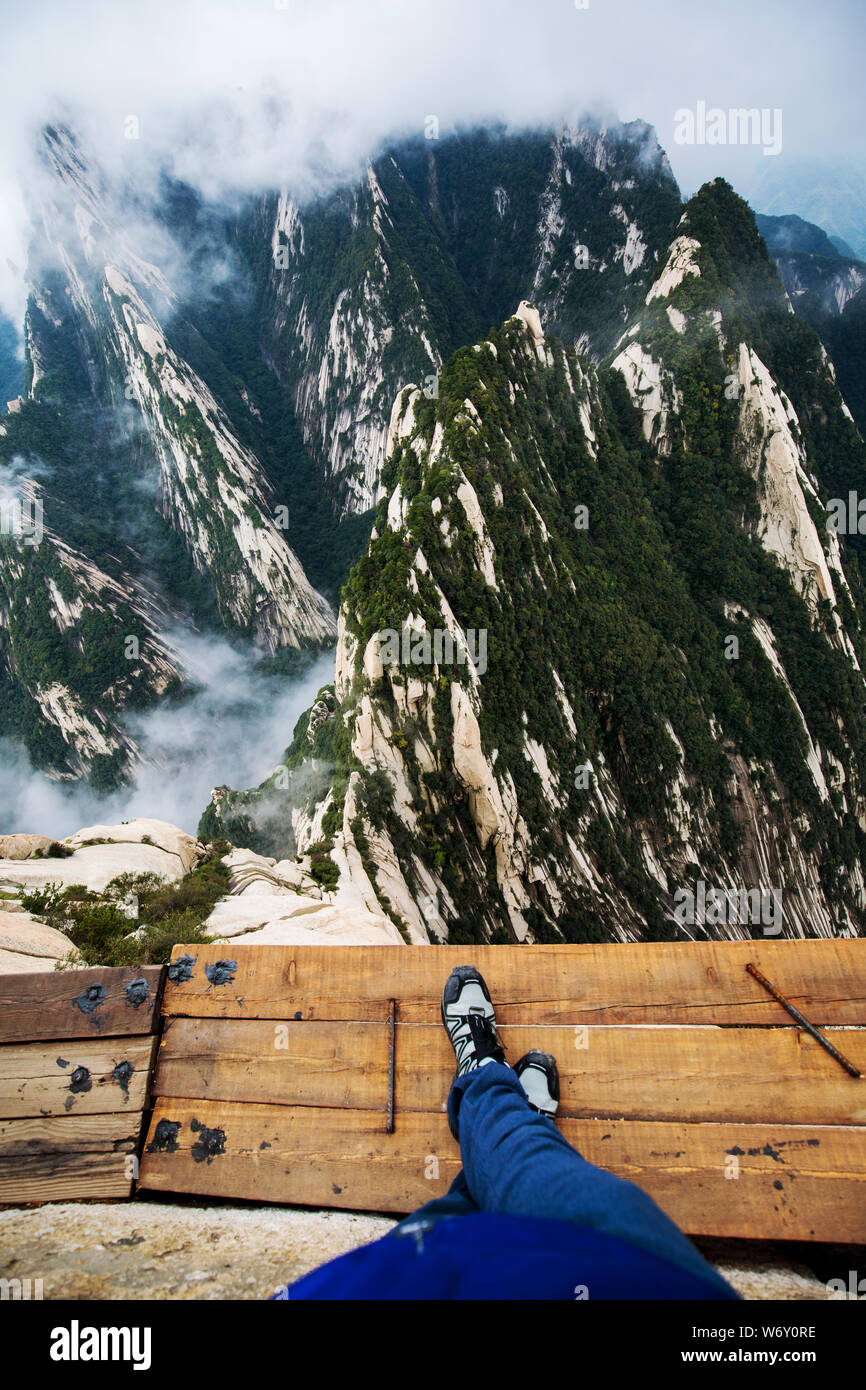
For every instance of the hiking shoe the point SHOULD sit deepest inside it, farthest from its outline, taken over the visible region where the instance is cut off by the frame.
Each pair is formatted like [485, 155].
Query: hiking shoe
[467, 1013]
[540, 1080]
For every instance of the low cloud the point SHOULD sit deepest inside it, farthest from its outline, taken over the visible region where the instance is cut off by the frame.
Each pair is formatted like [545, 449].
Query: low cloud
[246, 95]
[233, 732]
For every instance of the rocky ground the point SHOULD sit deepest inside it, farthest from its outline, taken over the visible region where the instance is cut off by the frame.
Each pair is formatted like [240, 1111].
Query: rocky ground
[173, 1250]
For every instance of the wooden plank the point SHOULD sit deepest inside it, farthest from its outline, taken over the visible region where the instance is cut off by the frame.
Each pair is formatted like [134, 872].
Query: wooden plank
[65, 1177]
[792, 1182]
[308, 1156]
[74, 1134]
[657, 983]
[81, 1077]
[103, 1002]
[749, 1075]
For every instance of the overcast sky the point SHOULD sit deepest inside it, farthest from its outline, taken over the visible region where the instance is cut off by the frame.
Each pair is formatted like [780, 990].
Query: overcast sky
[255, 93]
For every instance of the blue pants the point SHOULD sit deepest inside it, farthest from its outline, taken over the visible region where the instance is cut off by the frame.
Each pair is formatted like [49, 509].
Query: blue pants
[516, 1163]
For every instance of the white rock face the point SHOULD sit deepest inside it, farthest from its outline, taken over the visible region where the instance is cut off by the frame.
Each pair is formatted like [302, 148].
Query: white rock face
[771, 443]
[345, 658]
[837, 291]
[408, 881]
[680, 262]
[495, 815]
[529, 315]
[279, 904]
[652, 390]
[767, 640]
[27, 945]
[64, 708]
[336, 349]
[269, 902]
[397, 510]
[25, 846]
[254, 873]
[402, 420]
[263, 587]
[846, 286]
[171, 854]
[768, 423]
[373, 748]
[633, 252]
[94, 866]
[494, 808]
[278, 920]
[91, 730]
[237, 501]
[143, 831]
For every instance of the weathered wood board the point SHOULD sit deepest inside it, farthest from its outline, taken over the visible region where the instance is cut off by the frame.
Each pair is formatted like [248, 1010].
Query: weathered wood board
[678, 1071]
[90, 1078]
[795, 1182]
[655, 1073]
[57, 1134]
[689, 983]
[79, 1003]
[73, 1095]
[66, 1177]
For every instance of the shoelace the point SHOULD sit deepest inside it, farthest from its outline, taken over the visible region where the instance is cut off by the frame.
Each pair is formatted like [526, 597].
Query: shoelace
[481, 1041]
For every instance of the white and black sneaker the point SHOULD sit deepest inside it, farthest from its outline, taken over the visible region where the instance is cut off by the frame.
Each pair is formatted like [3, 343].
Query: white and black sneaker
[540, 1080]
[467, 1013]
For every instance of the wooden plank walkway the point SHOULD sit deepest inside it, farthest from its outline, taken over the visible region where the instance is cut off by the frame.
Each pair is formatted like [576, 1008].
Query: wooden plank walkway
[678, 1071]
[73, 1096]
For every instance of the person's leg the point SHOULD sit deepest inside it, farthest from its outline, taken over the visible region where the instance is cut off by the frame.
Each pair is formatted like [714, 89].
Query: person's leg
[458, 1201]
[516, 1162]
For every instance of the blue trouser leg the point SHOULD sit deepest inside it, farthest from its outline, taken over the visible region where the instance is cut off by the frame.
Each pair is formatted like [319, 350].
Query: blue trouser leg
[456, 1202]
[516, 1162]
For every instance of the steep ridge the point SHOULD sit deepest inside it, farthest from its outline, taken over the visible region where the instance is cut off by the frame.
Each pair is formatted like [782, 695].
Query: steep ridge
[205, 385]
[166, 426]
[375, 286]
[210, 488]
[152, 503]
[599, 674]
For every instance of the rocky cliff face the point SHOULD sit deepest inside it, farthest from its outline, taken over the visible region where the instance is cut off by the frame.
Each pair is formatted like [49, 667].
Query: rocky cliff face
[153, 501]
[146, 884]
[210, 487]
[602, 656]
[377, 285]
[58, 608]
[209, 393]
[599, 674]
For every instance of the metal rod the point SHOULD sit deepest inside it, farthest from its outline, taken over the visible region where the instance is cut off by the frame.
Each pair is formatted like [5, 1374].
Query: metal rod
[804, 1022]
[392, 1019]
